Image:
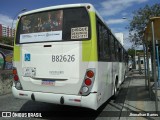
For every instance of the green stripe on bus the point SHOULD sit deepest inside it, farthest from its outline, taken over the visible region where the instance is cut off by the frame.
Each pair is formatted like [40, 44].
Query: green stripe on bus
[16, 53]
[89, 48]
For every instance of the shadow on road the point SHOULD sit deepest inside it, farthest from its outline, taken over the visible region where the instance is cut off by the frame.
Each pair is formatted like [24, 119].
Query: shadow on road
[108, 109]
[67, 112]
[50, 111]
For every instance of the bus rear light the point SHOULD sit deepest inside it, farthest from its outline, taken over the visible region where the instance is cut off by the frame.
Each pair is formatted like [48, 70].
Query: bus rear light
[85, 89]
[88, 82]
[90, 74]
[14, 71]
[16, 78]
[18, 85]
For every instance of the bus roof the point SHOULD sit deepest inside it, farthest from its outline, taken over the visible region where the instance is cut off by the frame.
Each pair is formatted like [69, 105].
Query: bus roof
[59, 7]
[64, 6]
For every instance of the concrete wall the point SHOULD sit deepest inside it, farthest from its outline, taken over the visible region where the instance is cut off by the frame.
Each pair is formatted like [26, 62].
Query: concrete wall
[6, 53]
[6, 78]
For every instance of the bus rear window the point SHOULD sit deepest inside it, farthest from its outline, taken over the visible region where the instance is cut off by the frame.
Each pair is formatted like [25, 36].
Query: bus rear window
[55, 25]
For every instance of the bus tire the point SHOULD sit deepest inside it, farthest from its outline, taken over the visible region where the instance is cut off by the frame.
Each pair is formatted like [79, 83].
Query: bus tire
[115, 90]
[124, 78]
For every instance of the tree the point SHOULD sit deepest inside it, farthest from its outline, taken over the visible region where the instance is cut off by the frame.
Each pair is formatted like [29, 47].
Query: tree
[6, 40]
[140, 20]
[131, 52]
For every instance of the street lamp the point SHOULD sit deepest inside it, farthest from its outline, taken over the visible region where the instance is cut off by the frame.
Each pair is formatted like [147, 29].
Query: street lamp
[124, 18]
[135, 55]
[134, 66]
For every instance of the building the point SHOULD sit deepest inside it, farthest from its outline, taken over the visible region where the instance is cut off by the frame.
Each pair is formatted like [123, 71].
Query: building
[120, 37]
[142, 64]
[6, 31]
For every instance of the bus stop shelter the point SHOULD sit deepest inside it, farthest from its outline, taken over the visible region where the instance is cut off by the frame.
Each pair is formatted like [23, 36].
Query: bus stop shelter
[152, 41]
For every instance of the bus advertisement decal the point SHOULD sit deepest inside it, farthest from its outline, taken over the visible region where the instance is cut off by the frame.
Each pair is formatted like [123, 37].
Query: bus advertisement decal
[41, 36]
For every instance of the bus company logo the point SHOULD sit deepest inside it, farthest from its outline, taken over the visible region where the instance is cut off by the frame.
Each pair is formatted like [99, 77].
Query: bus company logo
[35, 35]
[6, 114]
[22, 115]
[26, 36]
[41, 35]
[49, 34]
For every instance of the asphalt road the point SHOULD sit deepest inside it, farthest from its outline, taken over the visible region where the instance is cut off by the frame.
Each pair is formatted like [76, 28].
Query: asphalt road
[111, 110]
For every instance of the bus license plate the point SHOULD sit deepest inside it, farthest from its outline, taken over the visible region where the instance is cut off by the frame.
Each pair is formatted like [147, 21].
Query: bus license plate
[48, 82]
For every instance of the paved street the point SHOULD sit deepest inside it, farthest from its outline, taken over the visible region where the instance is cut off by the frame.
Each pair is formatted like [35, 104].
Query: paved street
[132, 98]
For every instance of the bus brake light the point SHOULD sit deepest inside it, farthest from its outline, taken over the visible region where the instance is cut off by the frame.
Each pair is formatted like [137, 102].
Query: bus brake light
[16, 78]
[90, 74]
[14, 71]
[88, 82]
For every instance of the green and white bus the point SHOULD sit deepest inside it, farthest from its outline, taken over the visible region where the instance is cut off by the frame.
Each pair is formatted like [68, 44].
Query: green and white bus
[67, 55]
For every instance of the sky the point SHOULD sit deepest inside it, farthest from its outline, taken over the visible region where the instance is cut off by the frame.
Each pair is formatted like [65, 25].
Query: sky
[112, 11]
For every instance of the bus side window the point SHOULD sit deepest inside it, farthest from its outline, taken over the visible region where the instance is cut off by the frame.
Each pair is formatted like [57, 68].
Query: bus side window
[122, 54]
[112, 48]
[119, 54]
[107, 45]
[100, 41]
[116, 50]
[103, 42]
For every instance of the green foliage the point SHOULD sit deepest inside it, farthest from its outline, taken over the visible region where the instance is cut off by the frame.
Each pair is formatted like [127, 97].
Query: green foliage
[131, 52]
[140, 20]
[6, 40]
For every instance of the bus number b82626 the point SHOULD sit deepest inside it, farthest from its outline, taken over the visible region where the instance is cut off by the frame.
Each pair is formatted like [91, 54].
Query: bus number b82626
[63, 58]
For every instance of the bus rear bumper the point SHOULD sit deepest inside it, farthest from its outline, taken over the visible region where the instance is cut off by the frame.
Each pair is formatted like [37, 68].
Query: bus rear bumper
[89, 101]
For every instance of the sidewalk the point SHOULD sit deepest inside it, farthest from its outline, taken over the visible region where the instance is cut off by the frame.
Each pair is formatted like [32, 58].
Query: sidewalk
[137, 101]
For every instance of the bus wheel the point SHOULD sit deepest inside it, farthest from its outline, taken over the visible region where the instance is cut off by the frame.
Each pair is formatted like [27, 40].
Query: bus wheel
[124, 77]
[115, 90]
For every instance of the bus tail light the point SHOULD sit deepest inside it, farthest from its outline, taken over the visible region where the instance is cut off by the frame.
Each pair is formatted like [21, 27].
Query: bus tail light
[87, 82]
[85, 89]
[14, 71]
[16, 79]
[90, 73]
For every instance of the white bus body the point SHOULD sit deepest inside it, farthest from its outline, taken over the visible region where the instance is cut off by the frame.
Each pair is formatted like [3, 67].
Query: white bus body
[52, 70]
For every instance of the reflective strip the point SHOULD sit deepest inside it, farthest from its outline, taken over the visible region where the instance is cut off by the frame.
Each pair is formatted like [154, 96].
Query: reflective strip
[75, 100]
